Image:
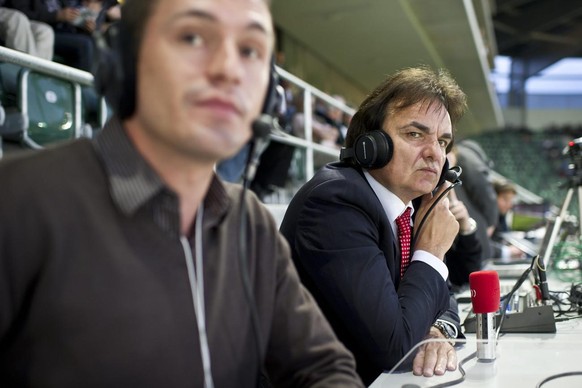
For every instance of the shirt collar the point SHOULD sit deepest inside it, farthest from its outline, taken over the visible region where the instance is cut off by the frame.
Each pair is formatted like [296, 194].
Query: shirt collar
[393, 206]
[132, 181]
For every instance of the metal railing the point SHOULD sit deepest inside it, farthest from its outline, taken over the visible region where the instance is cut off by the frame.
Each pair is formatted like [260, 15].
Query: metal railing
[307, 143]
[54, 69]
[45, 66]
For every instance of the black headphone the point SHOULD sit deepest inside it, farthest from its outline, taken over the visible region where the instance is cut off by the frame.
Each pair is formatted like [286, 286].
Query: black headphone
[114, 69]
[272, 100]
[371, 150]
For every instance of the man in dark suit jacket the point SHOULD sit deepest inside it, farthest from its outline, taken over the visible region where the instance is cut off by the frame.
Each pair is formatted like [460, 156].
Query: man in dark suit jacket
[477, 188]
[465, 256]
[342, 231]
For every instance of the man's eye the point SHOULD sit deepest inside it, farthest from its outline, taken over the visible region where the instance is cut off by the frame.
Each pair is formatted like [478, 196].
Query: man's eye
[249, 52]
[443, 143]
[194, 40]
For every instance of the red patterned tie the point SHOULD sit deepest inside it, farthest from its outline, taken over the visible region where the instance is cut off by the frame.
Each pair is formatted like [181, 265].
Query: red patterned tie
[403, 222]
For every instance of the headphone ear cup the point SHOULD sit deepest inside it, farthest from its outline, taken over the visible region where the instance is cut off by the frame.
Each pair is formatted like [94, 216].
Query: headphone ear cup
[373, 149]
[108, 71]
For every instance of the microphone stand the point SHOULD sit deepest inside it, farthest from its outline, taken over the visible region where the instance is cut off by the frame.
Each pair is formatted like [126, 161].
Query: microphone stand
[551, 235]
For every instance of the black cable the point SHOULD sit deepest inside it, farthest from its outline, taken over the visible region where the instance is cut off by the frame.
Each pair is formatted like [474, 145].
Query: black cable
[421, 223]
[507, 298]
[557, 376]
[261, 130]
[243, 258]
[461, 370]
[520, 280]
[561, 302]
[568, 318]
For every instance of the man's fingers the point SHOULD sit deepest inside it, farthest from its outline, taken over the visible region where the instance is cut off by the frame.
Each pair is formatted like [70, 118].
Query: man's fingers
[418, 362]
[434, 359]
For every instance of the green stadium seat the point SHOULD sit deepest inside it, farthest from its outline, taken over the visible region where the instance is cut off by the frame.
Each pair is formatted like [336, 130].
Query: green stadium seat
[53, 107]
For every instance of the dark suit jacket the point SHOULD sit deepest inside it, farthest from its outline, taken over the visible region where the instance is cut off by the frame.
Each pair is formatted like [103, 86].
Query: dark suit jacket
[477, 192]
[346, 255]
[463, 258]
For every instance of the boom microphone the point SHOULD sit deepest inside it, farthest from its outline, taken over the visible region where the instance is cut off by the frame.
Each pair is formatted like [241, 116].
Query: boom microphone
[544, 291]
[453, 174]
[485, 297]
[261, 128]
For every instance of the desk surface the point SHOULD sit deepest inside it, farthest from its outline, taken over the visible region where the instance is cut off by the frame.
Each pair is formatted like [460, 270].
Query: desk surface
[523, 360]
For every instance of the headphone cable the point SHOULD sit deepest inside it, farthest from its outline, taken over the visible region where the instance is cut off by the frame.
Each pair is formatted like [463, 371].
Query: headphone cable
[430, 209]
[259, 133]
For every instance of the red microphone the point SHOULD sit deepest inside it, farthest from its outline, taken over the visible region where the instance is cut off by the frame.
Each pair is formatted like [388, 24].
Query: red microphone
[485, 294]
[485, 297]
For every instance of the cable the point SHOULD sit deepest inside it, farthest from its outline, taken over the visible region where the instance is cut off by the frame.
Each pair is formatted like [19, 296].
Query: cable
[557, 376]
[259, 133]
[461, 370]
[507, 298]
[421, 223]
[562, 299]
[196, 279]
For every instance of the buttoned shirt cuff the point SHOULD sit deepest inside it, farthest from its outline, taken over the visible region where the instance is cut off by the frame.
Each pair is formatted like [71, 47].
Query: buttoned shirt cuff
[433, 261]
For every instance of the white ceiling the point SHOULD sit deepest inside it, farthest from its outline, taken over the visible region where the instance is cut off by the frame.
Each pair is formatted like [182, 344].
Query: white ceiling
[367, 39]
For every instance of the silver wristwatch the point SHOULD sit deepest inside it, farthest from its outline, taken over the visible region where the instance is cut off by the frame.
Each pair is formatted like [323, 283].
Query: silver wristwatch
[447, 331]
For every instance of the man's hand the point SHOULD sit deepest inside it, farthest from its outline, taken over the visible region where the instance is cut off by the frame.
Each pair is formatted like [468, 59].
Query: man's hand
[67, 14]
[434, 358]
[440, 228]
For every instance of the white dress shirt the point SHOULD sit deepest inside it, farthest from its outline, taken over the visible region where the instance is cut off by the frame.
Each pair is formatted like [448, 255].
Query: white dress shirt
[394, 207]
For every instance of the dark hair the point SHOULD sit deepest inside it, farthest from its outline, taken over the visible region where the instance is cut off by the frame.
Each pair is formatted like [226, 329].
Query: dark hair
[405, 88]
[134, 16]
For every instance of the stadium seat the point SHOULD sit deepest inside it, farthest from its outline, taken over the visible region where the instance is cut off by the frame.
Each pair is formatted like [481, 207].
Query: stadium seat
[53, 107]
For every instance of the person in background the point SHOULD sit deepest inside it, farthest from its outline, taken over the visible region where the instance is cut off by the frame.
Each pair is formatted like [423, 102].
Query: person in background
[332, 117]
[325, 126]
[121, 258]
[477, 191]
[465, 254]
[20, 33]
[506, 193]
[343, 227]
[73, 21]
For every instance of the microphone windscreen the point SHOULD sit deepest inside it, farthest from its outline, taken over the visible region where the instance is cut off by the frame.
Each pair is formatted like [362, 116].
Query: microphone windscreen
[262, 127]
[485, 295]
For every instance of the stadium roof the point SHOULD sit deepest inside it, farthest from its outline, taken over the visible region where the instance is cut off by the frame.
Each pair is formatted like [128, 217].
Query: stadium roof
[367, 39]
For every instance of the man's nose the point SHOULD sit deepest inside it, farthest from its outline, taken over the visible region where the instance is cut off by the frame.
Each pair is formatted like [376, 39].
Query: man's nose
[433, 149]
[225, 62]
